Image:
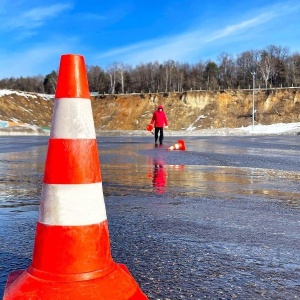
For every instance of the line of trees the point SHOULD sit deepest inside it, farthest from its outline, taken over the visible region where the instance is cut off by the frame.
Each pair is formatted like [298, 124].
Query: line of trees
[273, 66]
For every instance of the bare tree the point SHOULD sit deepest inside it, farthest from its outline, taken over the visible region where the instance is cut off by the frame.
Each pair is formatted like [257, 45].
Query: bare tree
[159, 78]
[112, 74]
[182, 75]
[266, 67]
[246, 63]
[123, 70]
[152, 69]
[293, 69]
[169, 67]
[227, 70]
[139, 78]
[195, 76]
[122, 76]
[279, 54]
[97, 79]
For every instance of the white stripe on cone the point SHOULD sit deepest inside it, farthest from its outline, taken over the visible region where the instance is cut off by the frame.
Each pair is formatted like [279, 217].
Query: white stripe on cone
[72, 204]
[176, 147]
[72, 118]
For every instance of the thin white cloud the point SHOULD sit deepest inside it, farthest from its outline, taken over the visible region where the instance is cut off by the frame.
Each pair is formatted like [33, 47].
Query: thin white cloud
[184, 46]
[32, 18]
[180, 46]
[233, 29]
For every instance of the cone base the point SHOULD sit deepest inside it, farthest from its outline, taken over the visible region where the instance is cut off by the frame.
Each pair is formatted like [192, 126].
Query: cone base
[119, 284]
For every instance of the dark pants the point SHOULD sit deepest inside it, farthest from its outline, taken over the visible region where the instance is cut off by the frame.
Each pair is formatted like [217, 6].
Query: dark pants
[161, 135]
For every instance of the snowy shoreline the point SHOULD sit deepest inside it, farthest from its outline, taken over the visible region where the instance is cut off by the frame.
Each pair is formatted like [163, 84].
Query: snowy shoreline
[274, 129]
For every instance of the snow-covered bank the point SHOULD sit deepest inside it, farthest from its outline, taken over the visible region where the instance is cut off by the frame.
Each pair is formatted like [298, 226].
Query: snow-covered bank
[5, 92]
[274, 129]
[280, 128]
[24, 130]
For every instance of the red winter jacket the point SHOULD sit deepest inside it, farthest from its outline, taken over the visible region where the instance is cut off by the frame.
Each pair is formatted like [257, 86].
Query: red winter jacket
[159, 118]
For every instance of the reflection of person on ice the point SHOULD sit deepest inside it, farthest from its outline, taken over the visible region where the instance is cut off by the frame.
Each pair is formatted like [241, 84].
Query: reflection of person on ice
[159, 120]
[159, 177]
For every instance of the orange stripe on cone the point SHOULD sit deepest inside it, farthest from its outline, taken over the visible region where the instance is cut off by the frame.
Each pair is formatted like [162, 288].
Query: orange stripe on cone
[71, 256]
[80, 240]
[63, 165]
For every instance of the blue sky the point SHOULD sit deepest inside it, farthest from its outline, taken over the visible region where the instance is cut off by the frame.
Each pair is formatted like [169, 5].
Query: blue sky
[34, 34]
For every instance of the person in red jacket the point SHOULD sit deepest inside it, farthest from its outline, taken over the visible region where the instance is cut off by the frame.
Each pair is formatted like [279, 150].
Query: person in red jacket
[159, 120]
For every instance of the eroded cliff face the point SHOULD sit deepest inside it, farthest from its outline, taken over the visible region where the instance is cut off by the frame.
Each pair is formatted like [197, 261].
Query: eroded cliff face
[27, 108]
[194, 109]
[198, 110]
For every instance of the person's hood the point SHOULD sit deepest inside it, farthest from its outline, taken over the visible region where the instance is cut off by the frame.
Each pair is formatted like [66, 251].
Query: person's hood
[160, 106]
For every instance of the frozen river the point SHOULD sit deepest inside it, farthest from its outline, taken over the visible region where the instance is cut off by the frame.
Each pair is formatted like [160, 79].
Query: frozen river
[218, 221]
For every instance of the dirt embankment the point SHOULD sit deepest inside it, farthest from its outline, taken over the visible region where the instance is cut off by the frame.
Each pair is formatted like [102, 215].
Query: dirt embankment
[200, 110]
[26, 108]
[197, 109]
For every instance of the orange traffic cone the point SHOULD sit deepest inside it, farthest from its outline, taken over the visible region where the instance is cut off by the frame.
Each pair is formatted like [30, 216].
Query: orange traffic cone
[179, 146]
[71, 255]
[149, 127]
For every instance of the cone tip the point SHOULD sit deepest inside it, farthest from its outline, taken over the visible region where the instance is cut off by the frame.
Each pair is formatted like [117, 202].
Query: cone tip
[72, 79]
